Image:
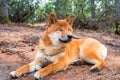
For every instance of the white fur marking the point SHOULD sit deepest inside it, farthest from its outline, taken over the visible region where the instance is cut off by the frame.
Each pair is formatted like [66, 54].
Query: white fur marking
[55, 38]
[34, 66]
[13, 74]
[40, 55]
[103, 52]
[36, 76]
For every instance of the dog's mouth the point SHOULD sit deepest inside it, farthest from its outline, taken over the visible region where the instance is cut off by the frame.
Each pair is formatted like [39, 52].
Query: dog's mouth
[65, 41]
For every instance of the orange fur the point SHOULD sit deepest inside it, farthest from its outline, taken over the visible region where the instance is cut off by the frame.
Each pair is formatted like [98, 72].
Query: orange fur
[57, 50]
[22, 70]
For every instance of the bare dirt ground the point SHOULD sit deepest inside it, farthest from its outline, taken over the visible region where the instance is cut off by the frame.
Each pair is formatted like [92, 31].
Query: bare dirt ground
[17, 47]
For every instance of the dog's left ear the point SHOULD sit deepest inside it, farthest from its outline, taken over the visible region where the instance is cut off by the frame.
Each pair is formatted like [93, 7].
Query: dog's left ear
[70, 19]
[52, 19]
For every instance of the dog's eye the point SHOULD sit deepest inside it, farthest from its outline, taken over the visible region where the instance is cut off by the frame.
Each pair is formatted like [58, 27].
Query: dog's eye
[60, 30]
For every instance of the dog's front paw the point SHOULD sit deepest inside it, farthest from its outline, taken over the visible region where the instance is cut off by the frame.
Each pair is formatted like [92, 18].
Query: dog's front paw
[94, 69]
[13, 75]
[37, 76]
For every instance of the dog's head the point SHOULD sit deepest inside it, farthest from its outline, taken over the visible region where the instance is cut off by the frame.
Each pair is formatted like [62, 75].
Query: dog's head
[59, 31]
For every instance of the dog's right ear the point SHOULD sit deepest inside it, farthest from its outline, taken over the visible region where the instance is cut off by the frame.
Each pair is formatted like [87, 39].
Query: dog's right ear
[52, 19]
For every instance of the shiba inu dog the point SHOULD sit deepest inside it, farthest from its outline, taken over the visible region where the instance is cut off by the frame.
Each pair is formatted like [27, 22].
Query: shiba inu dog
[57, 49]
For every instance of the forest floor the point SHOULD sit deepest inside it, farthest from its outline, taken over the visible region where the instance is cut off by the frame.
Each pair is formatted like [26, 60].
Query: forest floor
[17, 47]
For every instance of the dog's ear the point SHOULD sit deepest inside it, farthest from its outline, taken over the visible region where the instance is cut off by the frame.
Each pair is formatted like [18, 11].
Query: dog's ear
[70, 19]
[52, 19]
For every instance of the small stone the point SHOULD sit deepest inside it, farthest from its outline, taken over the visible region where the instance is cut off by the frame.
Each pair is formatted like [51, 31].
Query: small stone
[30, 44]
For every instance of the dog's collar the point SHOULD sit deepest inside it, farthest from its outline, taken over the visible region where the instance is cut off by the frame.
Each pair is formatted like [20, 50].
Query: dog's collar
[57, 51]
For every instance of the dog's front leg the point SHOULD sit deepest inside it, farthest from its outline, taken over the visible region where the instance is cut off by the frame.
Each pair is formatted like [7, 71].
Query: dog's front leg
[58, 65]
[36, 64]
[31, 67]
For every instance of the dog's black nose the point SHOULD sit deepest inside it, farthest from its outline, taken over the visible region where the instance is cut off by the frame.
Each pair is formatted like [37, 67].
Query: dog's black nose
[69, 36]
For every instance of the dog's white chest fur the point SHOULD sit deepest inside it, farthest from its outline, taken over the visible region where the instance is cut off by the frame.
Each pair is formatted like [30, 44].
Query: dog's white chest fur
[49, 53]
[46, 58]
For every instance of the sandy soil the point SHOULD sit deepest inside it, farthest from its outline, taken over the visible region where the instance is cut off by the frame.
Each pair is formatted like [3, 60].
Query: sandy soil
[17, 47]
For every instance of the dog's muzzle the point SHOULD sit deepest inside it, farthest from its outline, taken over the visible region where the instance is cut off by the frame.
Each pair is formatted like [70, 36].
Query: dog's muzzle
[67, 39]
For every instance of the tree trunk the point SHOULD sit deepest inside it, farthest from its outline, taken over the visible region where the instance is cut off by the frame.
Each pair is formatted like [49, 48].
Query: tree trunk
[93, 14]
[117, 17]
[117, 9]
[4, 10]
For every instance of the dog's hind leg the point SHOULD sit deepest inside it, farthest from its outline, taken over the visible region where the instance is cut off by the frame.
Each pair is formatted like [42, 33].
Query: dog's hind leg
[99, 64]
